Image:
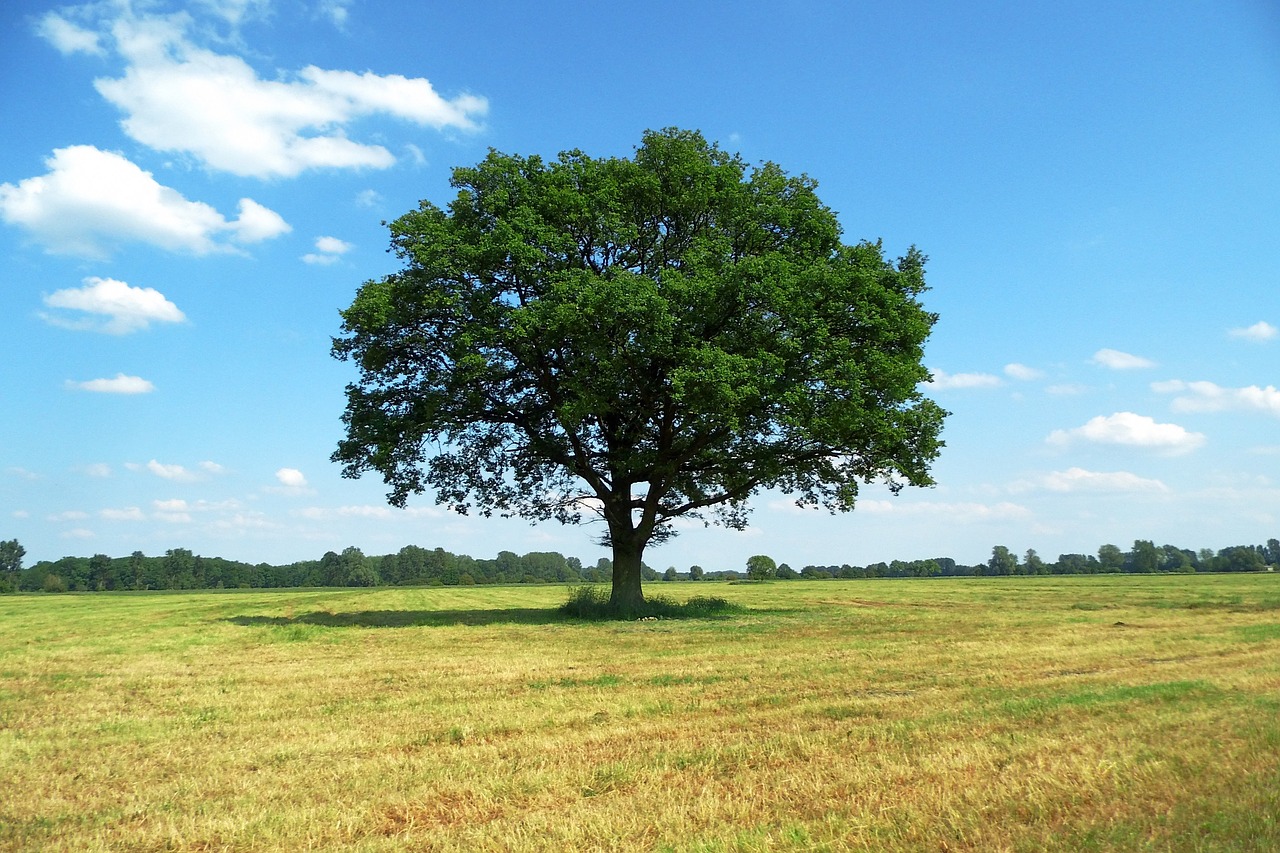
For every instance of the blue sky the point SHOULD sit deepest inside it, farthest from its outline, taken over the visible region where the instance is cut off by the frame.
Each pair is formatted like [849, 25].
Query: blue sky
[190, 192]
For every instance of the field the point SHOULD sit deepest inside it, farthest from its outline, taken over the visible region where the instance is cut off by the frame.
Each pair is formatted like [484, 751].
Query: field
[1079, 713]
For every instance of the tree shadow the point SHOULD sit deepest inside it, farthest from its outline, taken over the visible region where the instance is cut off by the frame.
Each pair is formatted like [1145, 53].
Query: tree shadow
[411, 618]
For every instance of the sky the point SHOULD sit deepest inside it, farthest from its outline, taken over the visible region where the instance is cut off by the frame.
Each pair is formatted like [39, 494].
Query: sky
[191, 192]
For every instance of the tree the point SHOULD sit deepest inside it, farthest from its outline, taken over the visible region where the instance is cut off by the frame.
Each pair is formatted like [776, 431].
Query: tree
[1002, 562]
[11, 554]
[642, 339]
[761, 567]
[695, 573]
[1145, 557]
[670, 574]
[1111, 558]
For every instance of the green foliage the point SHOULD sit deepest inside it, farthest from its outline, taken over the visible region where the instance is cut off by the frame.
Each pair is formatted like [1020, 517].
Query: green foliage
[761, 567]
[645, 338]
[593, 603]
[11, 554]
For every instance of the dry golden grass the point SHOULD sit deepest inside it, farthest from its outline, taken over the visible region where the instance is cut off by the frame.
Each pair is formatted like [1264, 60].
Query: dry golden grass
[1104, 713]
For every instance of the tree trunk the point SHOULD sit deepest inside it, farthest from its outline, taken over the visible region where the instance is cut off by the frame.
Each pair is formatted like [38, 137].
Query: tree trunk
[627, 596]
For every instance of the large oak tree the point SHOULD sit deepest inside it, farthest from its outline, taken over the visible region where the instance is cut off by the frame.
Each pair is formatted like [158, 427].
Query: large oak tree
[644, 339]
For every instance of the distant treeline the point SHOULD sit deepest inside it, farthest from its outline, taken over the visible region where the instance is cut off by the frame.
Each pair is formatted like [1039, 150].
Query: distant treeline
[179, 568]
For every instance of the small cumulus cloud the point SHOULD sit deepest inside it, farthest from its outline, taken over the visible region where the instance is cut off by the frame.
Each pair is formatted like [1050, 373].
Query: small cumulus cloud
[291, 478]
[92, 200]
[131, 513]
[1081, 480]
[169, 472]
[1117, 360]
[368, 198]
[1127, 429]
[1022, 372]
[1210, 397]
[328, 251]
[316, 513]
[336, 11]
[121, 384]
[1258, 332]
[959, 512]
[67, 515]
[943, 381]
[67, 37]
[119, 307]
[99, 470]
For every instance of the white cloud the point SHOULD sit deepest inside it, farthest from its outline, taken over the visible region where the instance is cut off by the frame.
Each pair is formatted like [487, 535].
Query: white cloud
[332, 245]
[121, 384]
[336, 11]
[98, 469]
[1258, 332]
[291, 478]
[316, 513]
[234, 12]
[1209, 397]
[131, 513]
[1117, 360]
[172, 505]
[179, 97]
[169, 472]
[1021, 371]
[330, 249]
[78, 533]
[67, 37]
[943, 381]
[368, 198]
[68, 515]
[961, 513]
[1078, 480]
[92, 200]
[126, 309]
[1069, 389]
[1131, 430]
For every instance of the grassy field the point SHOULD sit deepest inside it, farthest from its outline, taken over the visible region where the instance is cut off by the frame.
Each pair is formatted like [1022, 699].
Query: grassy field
[1082, 713]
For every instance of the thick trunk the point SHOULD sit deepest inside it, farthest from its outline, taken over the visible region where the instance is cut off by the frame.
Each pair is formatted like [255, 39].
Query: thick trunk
[627, 596]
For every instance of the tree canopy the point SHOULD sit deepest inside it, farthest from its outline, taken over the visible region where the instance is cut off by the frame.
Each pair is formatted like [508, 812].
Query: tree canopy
[642, 338]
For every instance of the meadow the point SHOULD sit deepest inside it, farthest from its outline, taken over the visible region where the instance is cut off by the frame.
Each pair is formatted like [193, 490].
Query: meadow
[1074, 713]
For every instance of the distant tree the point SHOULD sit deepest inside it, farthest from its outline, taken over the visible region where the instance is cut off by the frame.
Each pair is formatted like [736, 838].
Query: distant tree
[1174, 559]
[1145, 557]
[646, 339]
[761, 567]
[1110, 558]
[695, 573]
[1076, 564]
[1239, 558]
[11, 554]
[1002, 562]
[1273, 552]
[1033, 565]
[670, 574]
[787, 573]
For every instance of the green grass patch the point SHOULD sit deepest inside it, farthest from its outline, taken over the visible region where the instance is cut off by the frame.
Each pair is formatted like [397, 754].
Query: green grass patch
[592, 603]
